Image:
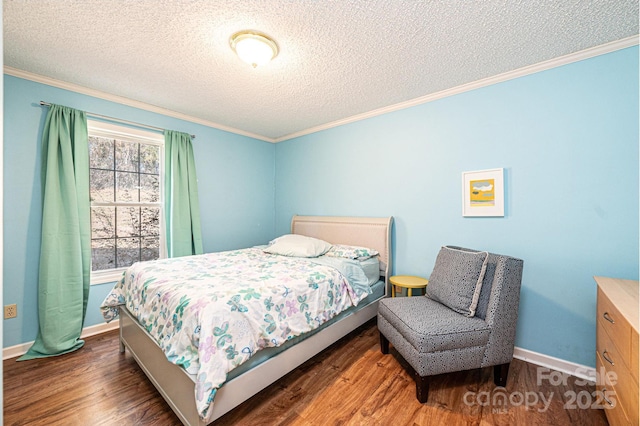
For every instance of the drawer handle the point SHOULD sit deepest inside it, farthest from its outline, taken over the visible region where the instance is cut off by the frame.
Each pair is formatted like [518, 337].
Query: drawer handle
[604, 355]
[608, 318]
[604, 396]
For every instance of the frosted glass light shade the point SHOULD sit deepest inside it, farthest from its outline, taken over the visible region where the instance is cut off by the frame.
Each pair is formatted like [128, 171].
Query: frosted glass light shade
[253, 47]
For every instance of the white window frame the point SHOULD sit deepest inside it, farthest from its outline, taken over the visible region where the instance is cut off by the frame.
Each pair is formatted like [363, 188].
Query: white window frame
[129, 134]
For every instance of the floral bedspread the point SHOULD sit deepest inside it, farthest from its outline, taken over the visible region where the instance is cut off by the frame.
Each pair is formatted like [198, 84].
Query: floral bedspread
[210, 313]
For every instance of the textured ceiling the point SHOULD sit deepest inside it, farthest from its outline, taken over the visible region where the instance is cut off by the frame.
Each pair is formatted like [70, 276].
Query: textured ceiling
[337, 58]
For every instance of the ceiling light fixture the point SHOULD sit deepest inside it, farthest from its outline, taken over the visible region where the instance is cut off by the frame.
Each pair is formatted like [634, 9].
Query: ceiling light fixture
[254, 47]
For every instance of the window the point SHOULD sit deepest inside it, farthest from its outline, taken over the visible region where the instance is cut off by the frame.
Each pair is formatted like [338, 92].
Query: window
[125, 175]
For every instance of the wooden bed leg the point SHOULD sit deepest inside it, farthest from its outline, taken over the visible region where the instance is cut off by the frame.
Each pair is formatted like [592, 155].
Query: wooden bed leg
[422, 388]
[384, 344]
[500, 373]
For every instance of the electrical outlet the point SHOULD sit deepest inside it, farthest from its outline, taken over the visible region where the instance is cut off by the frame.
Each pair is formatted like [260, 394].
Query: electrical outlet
[10, 311]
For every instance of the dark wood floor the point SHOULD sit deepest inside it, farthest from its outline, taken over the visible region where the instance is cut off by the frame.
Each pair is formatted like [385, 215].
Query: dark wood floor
[351, 383]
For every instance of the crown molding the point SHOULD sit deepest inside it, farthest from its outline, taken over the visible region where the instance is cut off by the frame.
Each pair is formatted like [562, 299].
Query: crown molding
[126, 101]
[509, 75]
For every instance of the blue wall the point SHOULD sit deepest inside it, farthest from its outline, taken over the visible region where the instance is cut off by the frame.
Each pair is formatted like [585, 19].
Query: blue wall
[235, 179]
[568, 140]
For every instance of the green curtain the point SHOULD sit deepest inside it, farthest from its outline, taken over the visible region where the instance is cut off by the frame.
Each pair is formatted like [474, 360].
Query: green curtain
[65, 252]
[182, 210]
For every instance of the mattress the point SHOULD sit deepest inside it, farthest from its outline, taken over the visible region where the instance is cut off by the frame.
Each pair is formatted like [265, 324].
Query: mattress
[267, 353]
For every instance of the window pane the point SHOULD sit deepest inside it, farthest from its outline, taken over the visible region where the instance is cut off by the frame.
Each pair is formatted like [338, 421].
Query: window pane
[100, 153]
[149, 159]
[103, 222]
[124, 172]
[128, 223]
[150, 221]
[150, 248]
[127, 186]
[127, 156]
[149, 188]
[128, 251]
[101, 182]
[103, 254]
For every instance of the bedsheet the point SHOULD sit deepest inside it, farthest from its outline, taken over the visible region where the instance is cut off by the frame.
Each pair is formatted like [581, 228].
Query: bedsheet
[210, 313]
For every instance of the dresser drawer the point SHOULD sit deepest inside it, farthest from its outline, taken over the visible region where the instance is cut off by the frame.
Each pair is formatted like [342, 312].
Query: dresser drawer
[625, 386]
[611, 321]
[617, 326]
[615, 412]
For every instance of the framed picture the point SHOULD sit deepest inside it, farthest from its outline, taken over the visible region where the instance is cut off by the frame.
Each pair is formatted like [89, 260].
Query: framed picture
[483, 193]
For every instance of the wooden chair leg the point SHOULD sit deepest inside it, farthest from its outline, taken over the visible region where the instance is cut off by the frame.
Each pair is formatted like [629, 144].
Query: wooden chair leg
[500, 373]
[422, 388]
[384, 344]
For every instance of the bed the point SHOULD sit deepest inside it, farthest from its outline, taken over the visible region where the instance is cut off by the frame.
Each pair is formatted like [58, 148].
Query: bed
[179, 387]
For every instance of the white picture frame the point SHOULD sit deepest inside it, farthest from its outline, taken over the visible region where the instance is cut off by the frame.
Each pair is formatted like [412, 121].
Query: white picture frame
[483, 193]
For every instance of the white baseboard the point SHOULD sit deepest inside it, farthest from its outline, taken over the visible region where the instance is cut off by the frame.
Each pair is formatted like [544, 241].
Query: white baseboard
[19, 350]
[557, 364]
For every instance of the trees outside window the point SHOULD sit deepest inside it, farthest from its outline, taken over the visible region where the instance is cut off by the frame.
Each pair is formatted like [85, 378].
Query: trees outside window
[125, 173]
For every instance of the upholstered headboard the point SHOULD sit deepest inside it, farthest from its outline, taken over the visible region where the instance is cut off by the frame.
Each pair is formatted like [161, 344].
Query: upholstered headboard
[371, 232]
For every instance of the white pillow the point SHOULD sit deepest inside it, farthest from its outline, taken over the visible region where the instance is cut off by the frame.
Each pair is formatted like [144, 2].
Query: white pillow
[298, 246]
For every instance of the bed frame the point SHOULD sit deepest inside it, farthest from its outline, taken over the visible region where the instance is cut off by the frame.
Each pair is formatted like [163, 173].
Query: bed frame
[177, 387]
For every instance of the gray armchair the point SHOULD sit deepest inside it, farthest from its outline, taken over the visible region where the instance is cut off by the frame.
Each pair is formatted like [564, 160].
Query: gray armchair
[466, 320]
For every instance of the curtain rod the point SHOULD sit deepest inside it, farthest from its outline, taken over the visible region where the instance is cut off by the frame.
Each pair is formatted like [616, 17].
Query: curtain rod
[119, 120]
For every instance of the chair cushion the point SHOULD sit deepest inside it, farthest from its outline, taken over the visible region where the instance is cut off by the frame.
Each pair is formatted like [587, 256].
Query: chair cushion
[456, 279]
[432, 327]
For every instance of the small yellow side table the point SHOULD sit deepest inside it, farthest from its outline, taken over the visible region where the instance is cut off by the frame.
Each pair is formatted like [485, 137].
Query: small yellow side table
[407, 281]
